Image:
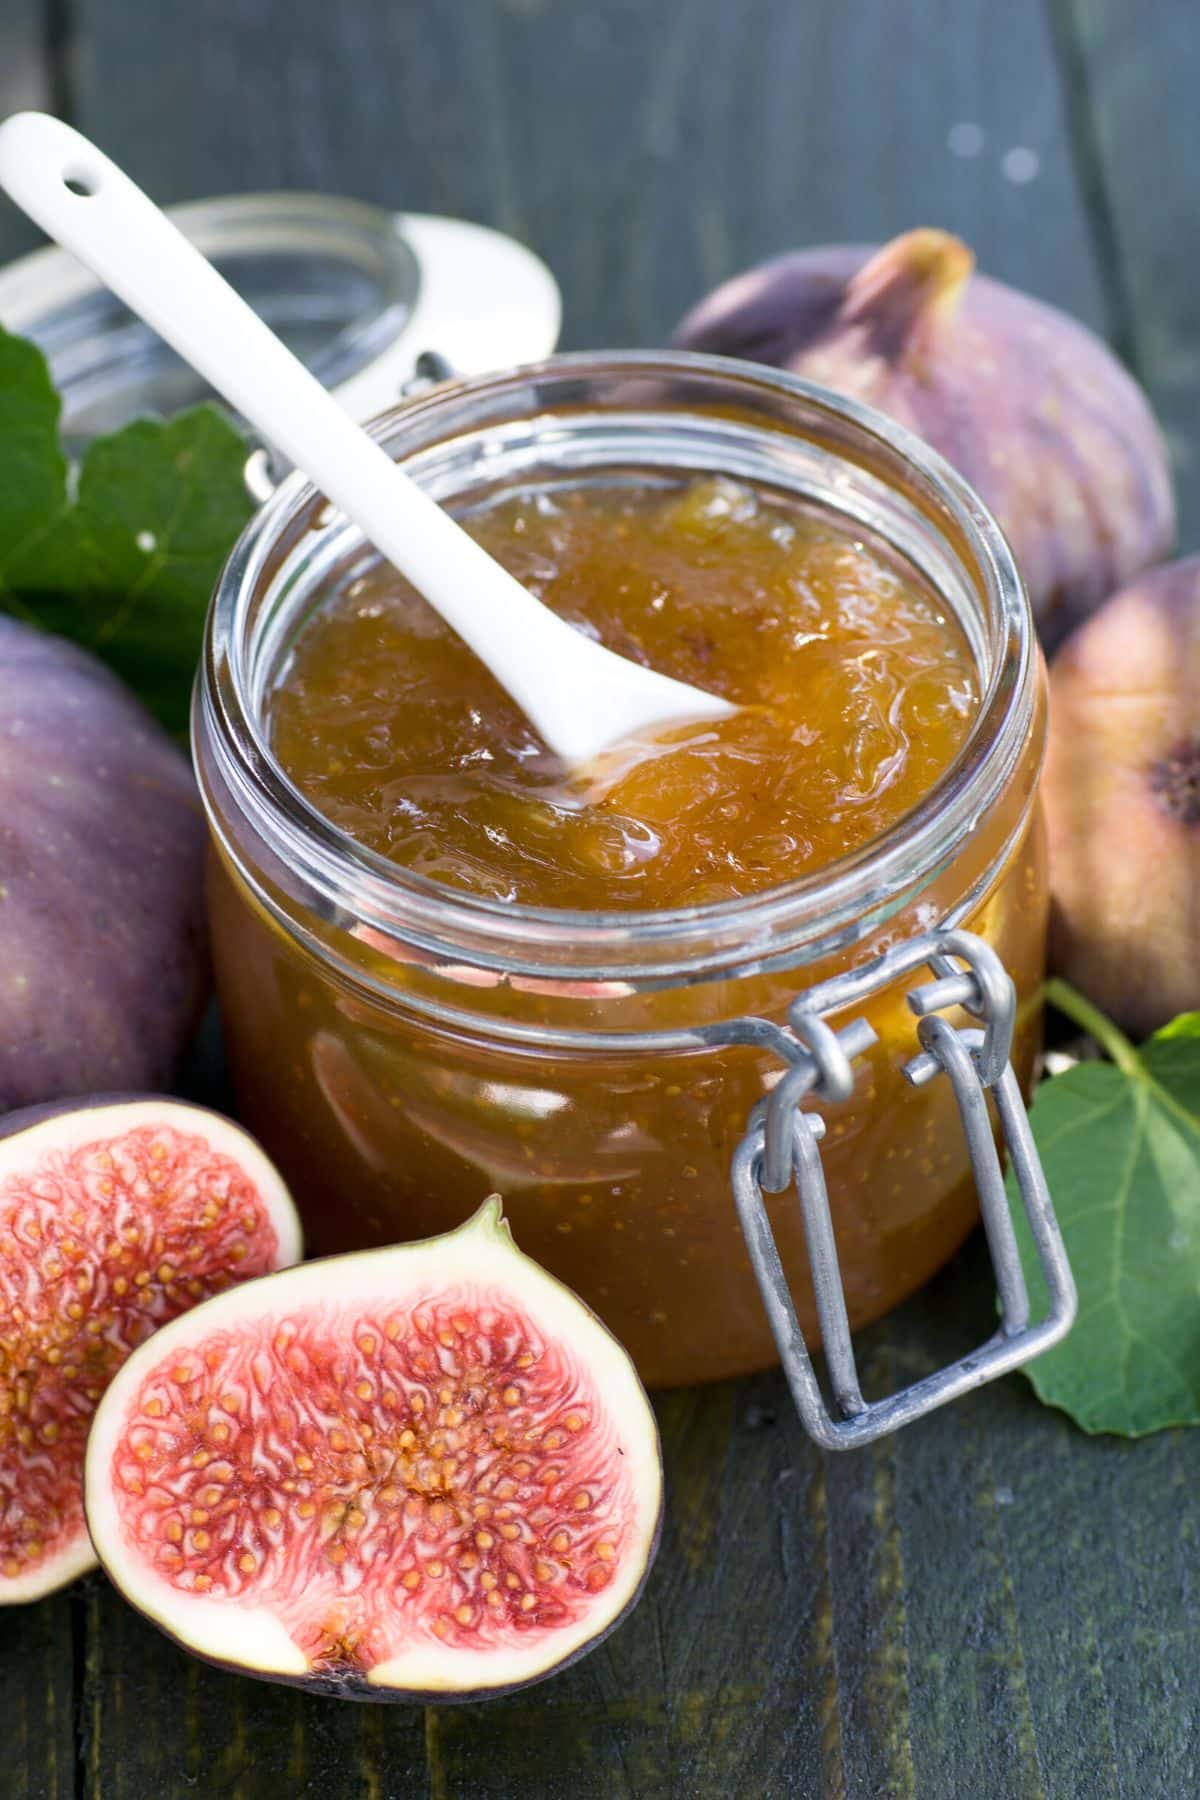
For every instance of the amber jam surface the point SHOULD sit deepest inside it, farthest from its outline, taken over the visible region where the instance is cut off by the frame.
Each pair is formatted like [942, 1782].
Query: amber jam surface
[855, 682]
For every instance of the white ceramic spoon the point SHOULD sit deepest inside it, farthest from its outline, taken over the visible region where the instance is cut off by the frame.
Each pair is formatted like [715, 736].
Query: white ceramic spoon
[582, 698]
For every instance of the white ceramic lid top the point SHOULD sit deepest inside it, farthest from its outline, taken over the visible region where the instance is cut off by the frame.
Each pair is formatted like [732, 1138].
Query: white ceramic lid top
[484, 302]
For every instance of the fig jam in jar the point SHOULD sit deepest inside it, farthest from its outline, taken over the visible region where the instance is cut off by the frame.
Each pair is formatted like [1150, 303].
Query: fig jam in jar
[449, 967]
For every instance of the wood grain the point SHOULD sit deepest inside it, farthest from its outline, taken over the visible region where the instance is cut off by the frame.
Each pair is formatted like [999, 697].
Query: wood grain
[38, 1699]
[1132, 75]
[990, 1604]
[645, 150]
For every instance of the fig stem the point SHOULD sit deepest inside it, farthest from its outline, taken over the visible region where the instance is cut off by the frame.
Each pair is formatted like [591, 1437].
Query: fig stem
[912, 278]
[1089, 1018]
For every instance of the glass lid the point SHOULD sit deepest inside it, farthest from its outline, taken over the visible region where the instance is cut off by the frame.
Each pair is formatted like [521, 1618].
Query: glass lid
[358, 293]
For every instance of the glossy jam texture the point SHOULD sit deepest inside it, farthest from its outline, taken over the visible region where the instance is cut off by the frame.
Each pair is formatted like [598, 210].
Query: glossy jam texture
[857, 689]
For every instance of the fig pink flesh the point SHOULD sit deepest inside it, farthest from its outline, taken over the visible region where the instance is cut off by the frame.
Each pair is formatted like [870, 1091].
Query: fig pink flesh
[100, 1243]
[380, 1474]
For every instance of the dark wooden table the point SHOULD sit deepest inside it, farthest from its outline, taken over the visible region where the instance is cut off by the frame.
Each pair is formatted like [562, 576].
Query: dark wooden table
[990, 1606]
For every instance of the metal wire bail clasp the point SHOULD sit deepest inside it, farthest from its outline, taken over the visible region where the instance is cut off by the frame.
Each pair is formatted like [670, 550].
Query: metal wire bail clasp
[782, 1147]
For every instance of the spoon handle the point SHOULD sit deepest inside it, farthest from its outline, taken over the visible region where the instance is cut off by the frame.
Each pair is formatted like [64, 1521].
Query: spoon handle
[82, 199]
[93, 209]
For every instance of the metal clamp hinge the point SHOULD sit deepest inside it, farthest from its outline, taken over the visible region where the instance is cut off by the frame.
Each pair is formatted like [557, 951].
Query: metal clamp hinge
[782, 1147]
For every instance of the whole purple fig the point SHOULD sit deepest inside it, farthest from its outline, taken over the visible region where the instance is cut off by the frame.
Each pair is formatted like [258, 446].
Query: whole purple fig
[103, 953]
[1122, 797]
[1026, 403]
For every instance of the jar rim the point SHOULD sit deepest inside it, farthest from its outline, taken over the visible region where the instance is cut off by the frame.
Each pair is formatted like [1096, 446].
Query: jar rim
[818, 911]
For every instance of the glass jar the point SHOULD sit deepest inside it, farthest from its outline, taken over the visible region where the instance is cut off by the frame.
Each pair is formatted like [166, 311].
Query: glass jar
[403, 1049]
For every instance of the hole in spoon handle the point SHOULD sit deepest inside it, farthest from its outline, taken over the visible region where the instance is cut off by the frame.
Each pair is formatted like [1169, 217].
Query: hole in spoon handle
[83, 183]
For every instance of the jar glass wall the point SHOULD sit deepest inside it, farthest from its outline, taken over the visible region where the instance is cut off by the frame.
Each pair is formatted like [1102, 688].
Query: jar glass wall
[403, 1049]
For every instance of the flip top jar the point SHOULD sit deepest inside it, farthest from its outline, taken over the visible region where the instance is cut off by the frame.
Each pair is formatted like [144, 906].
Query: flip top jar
[403, 1048]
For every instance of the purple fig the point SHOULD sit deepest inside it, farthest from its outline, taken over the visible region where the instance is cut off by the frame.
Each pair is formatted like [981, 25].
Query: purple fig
[1027, 404]
[103, 951]
[1122, 795]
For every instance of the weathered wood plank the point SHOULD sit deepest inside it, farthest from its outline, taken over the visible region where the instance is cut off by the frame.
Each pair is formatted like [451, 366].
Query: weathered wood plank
[25, 80]
[1014, 1607]
[161, 1724]
[1132, 75]
[645, 150]
[37, 1700]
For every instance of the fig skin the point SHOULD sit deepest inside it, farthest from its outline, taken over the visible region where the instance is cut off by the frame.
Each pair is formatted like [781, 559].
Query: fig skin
[1027, 404]
[1122, 797]
[103, 946]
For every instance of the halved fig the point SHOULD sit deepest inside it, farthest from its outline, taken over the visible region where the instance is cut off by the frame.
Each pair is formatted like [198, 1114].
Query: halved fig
[426, 1471]
[115, 1215]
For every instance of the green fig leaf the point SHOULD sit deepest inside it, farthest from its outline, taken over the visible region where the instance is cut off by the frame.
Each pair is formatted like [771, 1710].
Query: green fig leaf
[1120, 1145]
[122, 555]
